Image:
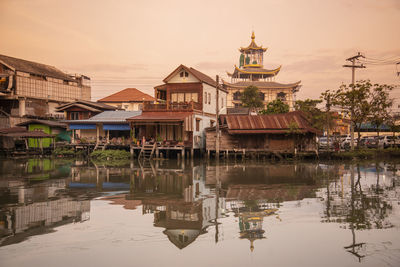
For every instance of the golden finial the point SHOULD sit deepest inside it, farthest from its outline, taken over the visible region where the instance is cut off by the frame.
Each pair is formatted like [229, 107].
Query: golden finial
[251, 245]
[253, 36]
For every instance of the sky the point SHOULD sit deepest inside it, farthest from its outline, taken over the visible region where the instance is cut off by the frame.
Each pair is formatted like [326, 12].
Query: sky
[121, 44]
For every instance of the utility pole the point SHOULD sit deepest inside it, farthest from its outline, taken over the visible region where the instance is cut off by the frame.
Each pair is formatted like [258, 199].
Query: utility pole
[217, 122]
[353, 67]
[328, 114]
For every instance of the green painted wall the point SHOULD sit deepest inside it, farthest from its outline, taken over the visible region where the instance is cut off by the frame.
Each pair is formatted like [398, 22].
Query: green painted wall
[34, 142]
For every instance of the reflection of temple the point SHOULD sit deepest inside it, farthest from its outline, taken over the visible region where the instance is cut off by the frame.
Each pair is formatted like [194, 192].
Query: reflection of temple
[179, 200]
[256, 191]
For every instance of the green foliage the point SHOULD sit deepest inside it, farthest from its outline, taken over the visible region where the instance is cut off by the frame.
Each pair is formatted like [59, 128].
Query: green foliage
[314, 115]
[294, 128]
[275, 107]
[251, 97]
[64, 152]
[364, 101]
[110, 155]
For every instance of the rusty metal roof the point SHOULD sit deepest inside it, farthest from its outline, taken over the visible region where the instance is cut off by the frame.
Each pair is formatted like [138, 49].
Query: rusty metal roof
[274, 123]
[160, 116]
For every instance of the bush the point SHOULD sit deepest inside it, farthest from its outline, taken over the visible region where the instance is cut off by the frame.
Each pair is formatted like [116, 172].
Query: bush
[102, 155]
[64, 152]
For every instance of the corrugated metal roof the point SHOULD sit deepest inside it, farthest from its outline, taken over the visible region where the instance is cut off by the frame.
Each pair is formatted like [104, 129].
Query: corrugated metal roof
[33, 67]
[44, 122]
[114, 116]
[275, 123]
[79, 103]
[161, 116]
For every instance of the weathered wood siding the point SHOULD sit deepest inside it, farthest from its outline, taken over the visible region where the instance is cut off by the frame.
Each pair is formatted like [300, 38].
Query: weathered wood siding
[267, 142]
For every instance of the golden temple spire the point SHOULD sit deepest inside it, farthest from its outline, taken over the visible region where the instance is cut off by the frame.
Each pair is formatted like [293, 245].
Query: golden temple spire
[253, 36]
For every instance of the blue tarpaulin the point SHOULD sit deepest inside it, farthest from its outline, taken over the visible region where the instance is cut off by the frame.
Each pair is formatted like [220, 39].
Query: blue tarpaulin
[116, 127]
[82, 126]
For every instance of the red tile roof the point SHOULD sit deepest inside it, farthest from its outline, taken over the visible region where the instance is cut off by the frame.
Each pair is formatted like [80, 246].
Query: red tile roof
[128, 95]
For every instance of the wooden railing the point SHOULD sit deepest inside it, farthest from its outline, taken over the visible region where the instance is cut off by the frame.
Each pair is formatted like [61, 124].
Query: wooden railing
[172, 106]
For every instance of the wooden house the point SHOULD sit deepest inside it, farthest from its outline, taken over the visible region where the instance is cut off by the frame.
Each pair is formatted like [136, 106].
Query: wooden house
[128, 99]
[82, 110]
[31, 89]
[106, 127]
[54, 128]
[289, 132]
[186, 105]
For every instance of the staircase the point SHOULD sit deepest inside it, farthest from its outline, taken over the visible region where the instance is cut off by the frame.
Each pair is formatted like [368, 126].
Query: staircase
[147, 151]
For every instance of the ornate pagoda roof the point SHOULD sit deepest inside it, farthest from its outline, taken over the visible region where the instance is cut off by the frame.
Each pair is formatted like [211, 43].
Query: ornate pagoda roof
[259, 72]
[262, 84]
[252, 46]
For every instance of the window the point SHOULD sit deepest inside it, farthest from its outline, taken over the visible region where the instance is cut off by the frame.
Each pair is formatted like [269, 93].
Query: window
[198, 124]
[222, 102]
[205, 97]
[281, 96]
[74, 116]
[212, 123]
[184, 97]
[262, 96]
[209, 98]
[237, 95]
[184, 74]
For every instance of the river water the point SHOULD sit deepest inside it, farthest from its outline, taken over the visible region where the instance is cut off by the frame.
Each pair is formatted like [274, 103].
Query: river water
[170, 213]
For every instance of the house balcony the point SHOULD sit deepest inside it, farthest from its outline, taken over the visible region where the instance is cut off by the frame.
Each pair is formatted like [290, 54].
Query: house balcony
[172, 106]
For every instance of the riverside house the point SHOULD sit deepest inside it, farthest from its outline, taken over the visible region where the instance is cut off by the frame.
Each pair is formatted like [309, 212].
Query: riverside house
[186, 105]
[277, 133]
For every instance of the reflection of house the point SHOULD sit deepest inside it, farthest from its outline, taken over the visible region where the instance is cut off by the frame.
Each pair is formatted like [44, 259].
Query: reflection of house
[274, 133]
[252, 73]
[108, 126]
[83, 110]
[180, 201]
[186, 105]
[32, 89]
[127, 99]
[37, 208]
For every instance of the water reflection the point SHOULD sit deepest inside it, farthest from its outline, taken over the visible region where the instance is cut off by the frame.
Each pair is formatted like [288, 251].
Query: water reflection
[187, 200]
[362, 199]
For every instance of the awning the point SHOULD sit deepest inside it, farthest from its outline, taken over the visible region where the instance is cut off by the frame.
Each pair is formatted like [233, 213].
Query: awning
[82, 126]
[116, 127]
[160, 117]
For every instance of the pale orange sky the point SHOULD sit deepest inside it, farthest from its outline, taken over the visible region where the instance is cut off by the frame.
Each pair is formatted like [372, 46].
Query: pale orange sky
[122, 44]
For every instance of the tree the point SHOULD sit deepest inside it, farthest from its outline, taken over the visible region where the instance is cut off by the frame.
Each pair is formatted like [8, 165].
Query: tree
[275, 107]
[380, 105]
[251, 97]
[354, 99]
[313, 113]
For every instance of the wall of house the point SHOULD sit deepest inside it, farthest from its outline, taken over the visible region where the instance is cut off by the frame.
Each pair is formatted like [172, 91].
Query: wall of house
[91, 135]
[178, 79]
[209, 99]
[129, 106]
[50, 88]
[34, 142]
[268, 142]
[199, 137]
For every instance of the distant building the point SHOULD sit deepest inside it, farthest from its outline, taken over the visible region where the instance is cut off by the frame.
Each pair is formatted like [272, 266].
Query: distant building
[30, 89]
[82, 110]
[128, 99]
[251, 72]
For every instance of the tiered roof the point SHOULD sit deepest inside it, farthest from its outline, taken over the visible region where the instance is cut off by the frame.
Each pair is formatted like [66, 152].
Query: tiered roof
[252, 46]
